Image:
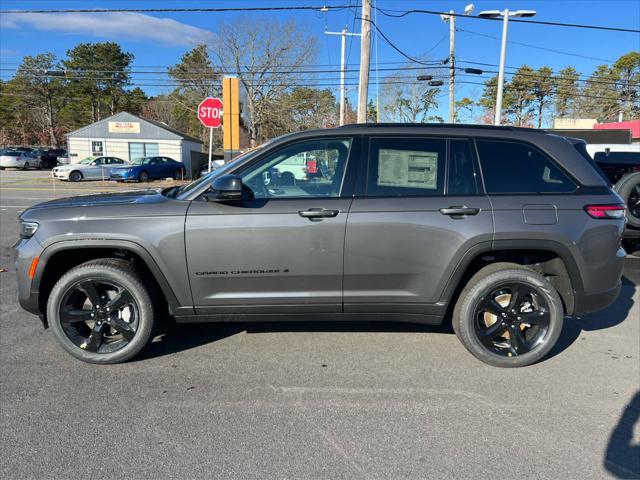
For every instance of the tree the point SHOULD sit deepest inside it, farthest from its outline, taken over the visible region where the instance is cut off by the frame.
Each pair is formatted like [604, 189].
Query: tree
[488, 99]
[626, 72]
[543, 88]
[407, 102]
[599, 97]
[197, 79]
[464, 109]
[566, 92]
[266, 55]
[99, 71]
[518, 95]
[196, 74]
[372, 112]
[40, 92]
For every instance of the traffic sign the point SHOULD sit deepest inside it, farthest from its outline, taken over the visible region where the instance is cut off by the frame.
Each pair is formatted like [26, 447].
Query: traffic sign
[210, 112]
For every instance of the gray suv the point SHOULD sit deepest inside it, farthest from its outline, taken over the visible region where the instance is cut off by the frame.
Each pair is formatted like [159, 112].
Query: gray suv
[506, 231]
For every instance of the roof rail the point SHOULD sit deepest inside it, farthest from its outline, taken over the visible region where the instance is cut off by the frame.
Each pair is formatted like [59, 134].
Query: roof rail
[442, 125]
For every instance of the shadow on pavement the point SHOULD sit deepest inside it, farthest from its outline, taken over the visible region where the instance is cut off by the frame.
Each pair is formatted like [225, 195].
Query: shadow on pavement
[622, 458]
[609, 317]
[179, 337]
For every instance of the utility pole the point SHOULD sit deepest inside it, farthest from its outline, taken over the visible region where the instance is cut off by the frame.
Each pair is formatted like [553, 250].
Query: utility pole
[343, 50]
[452, 66]
[365, 58]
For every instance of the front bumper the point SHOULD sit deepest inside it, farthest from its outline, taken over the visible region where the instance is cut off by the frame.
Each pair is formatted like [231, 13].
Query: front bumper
[24, 251]
[122, 175]
[60, 174]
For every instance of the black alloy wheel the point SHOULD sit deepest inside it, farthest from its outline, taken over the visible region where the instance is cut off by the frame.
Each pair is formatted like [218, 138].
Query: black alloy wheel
[99, 316]
[513, 319]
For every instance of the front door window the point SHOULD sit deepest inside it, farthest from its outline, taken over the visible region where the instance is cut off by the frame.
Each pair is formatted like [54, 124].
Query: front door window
[307, 169]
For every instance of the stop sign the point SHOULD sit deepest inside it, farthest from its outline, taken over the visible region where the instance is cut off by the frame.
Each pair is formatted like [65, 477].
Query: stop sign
[210, 112]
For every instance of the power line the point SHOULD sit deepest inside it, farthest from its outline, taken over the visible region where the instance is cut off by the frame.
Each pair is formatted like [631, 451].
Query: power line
[519, 20]
[561, 52]
[322, 8]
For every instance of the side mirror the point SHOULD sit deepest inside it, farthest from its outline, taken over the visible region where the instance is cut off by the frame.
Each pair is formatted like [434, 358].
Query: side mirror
[226, 187]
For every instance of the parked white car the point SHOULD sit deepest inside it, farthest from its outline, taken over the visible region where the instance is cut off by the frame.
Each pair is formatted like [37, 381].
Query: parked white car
[17, 159]
[90, 168]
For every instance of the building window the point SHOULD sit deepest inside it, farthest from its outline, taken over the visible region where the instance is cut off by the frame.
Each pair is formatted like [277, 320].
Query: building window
[97, 149]
[137, 150]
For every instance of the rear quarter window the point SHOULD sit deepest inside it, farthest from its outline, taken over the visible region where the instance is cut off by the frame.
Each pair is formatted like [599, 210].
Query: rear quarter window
[518, 167]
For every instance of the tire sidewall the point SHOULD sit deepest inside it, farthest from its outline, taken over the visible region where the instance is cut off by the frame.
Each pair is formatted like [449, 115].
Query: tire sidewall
[145, 311]
[143, 177]
[623, 188]
[75, 176]
[467, 308]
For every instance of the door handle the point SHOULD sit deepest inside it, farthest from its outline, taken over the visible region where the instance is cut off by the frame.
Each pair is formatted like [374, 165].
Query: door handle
[459, 210]
[318, 213]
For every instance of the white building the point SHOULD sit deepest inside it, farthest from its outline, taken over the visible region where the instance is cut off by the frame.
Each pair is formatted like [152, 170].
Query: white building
[128, 136]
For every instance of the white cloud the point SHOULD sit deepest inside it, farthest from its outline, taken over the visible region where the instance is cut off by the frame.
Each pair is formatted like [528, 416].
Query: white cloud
[111, 26]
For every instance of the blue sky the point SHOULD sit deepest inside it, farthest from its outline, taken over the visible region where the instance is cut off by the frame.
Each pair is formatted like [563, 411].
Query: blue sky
[158, 39]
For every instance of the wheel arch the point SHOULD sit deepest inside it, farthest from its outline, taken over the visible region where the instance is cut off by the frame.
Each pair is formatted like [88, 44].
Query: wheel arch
[62, 256]
[547, 257]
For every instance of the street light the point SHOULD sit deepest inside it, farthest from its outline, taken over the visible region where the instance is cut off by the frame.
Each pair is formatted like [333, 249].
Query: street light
[505, 14]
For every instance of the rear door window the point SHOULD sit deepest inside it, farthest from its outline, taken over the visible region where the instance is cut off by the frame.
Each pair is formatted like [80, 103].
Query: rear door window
[461, 177]
[517, 167]
[406, 167]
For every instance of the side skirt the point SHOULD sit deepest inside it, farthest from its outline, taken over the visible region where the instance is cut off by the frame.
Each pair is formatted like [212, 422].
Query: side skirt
[311, 317]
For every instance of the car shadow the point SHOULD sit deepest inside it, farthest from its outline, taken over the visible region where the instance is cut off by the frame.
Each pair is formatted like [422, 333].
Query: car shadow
[611, 316]
[622, 457]
[179, 337]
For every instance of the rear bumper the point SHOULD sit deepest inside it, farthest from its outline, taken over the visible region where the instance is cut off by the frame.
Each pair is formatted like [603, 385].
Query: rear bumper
[586, 303]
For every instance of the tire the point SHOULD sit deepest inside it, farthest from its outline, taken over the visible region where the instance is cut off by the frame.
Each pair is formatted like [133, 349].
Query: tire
[143, 177]
[75, 335]
[75, 176]
[25, 166]
[177, 175]
[534, 332]
[628, 187]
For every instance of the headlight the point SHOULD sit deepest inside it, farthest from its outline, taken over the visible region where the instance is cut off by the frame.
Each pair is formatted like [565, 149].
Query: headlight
[27, 229]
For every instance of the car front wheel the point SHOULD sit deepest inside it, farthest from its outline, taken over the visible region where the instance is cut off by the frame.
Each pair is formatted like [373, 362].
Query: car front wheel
[508, 315]
[100, 312]
[143, 177]
[75, 176]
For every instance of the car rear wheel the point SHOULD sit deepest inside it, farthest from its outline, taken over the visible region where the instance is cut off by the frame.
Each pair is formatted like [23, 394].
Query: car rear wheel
[143, 177]
[178, 175]
[100, 312]
[508, 316]
[25, 166]
[75, 176]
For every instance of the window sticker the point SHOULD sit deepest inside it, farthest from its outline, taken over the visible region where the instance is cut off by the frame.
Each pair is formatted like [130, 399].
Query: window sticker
[408, 169]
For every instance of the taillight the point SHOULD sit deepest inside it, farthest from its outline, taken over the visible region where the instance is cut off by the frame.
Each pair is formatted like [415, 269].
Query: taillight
[605, 211]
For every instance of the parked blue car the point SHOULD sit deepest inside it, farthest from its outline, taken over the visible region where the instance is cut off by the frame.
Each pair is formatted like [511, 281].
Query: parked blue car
[144, 169]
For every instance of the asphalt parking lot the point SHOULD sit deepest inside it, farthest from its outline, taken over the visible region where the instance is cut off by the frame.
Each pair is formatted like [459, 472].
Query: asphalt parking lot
[312, 400]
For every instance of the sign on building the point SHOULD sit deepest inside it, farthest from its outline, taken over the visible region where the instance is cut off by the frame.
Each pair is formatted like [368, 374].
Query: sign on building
[124, 127]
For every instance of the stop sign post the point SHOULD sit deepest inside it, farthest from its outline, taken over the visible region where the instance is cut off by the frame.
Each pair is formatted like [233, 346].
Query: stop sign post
[210, 114]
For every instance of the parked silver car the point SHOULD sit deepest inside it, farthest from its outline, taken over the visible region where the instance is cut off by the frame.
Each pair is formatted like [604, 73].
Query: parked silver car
[17, 159]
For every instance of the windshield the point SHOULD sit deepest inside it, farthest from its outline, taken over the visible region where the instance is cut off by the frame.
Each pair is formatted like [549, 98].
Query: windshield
[222, 170]
[86, 161]
[140, 161]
